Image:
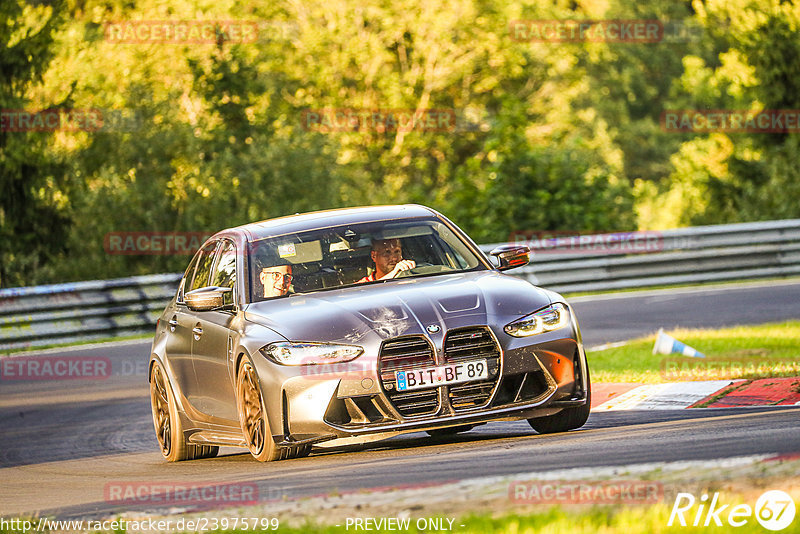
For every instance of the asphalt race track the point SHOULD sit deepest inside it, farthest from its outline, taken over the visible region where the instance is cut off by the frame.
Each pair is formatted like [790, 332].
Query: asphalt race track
[627, 315]
[62, 442]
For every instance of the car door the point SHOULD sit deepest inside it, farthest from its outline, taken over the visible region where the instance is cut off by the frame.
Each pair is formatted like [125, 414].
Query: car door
[183, 320]
[179, 327]
[212, 343]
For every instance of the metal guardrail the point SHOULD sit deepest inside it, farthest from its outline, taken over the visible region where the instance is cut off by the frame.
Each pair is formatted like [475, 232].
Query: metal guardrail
[82, 311]
[686, 255]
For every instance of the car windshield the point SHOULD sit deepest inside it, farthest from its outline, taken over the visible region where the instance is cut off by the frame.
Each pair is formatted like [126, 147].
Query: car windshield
[335, 257]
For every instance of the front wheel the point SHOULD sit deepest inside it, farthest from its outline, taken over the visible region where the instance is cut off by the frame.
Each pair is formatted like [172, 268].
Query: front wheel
[566, 419]
[253, 416]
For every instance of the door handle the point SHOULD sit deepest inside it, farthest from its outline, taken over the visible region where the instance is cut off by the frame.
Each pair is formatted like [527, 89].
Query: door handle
[173, 323]
[197, 331]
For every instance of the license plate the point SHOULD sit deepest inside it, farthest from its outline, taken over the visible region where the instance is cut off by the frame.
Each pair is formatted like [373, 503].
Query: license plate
[442, 375]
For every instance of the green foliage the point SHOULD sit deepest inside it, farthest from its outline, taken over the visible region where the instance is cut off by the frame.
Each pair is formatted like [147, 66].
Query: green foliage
[33, 221]
[534, 188]
[755, 64]
[548, 135]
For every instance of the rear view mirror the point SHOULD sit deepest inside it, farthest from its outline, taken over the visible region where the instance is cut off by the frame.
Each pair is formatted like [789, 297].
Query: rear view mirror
[208, 298]
[511, 256]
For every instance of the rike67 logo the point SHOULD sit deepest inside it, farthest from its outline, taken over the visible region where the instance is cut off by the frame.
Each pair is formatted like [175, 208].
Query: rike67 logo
[774, 510]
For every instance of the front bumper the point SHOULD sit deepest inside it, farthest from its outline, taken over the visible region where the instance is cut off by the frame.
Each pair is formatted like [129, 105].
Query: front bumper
[531, 380]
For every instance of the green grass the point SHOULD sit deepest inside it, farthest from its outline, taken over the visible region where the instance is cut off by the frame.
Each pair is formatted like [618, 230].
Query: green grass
[555, 520]
[769, 350]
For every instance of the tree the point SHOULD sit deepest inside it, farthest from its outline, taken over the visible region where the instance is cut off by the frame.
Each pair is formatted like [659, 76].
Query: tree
[754, 65]
[33, 204]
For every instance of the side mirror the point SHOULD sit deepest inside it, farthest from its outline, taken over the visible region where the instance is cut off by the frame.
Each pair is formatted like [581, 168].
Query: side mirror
[208, 299]
[511, 256]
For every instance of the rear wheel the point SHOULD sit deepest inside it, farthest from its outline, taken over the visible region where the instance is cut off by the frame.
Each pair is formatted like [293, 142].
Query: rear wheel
[167, 423]
[253, 416]
[566, 419]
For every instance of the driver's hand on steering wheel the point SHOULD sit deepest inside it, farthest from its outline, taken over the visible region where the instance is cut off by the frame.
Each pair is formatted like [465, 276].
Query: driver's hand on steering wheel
[402, 265]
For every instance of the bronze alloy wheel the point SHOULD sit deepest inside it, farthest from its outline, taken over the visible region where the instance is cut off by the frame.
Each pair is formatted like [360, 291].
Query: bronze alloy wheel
[160, 404]
[167, 424]
[252, 415]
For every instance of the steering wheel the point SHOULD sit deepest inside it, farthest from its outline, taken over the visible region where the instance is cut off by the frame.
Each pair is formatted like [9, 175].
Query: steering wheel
[423, 268]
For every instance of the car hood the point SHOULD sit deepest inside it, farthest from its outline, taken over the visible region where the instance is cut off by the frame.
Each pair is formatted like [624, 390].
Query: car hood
[373, 312]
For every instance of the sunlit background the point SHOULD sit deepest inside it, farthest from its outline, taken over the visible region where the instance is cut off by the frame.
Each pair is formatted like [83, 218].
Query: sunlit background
[547, 135]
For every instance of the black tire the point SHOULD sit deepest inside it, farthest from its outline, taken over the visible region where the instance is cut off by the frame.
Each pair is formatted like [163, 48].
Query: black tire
[566, 419]
[167, 424]
[253, 416]
[205, 451]
[449, 431]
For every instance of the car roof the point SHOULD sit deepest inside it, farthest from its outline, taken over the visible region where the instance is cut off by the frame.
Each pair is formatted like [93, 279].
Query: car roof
[322, 219]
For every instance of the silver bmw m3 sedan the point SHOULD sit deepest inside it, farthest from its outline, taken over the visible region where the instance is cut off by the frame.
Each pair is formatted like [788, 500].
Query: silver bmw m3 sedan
[355, 325]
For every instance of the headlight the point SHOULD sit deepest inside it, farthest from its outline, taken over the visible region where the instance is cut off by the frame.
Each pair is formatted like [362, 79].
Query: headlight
[547, 319]
[288, 353]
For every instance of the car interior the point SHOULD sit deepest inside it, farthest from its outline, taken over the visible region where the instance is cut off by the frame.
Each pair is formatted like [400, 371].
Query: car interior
[338, 257]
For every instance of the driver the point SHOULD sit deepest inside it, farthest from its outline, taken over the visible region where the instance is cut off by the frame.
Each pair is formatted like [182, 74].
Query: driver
[388, 257]
[276, 280]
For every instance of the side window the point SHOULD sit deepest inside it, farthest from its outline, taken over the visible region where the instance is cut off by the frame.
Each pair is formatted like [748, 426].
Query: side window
[225, 271]
[203, 270]
[187, 277]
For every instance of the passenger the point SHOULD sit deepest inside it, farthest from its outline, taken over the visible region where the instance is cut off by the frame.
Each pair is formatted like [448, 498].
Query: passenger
[388, 257]
[276, 280]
